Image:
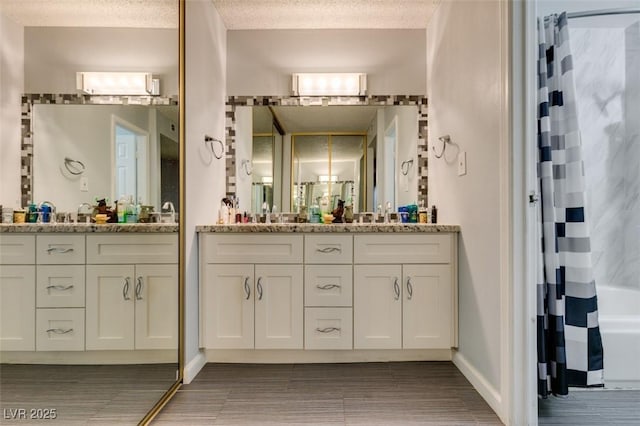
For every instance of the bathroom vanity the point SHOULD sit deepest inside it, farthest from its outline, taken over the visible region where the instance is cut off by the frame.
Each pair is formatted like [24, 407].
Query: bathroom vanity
[328, 293]
[84, 293]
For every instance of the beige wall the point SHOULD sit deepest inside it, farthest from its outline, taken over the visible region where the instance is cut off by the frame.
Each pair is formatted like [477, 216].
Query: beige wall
[261, 61]
[11, 83]
[465, 86]
[206, 52]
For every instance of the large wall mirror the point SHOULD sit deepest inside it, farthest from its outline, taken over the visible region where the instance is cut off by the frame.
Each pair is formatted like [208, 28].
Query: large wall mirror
[76, 149]
[296, 153]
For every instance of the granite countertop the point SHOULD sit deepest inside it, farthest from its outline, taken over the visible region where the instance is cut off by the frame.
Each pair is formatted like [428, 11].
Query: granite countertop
[329, 228]
[147, 228]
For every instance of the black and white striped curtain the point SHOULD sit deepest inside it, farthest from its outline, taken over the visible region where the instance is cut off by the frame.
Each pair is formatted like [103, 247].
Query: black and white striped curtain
[569, 343]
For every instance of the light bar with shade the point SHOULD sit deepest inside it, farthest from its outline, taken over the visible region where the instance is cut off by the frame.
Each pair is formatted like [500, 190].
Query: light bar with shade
[117, 83]
[327, 178]
[329, 84]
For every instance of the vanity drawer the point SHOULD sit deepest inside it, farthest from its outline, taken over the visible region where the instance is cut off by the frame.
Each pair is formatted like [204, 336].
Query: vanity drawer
[132, 248]
[60, 329]
[381, 249]
[328, 285]
[251, 248]
[332, 248]
[60, 286]
[17, 249]
[56, 249]
[328, 328]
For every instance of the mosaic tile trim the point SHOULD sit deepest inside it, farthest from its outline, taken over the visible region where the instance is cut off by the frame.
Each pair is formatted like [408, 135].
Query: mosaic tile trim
[26, 124]
[235, 101]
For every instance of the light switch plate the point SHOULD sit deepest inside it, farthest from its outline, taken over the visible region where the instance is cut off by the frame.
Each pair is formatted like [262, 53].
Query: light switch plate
[84, 184]
[462, 163]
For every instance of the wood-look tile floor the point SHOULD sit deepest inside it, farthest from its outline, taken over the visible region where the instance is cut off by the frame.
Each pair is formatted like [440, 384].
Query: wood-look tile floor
[428, 393]
[591, 407]
[83, 394]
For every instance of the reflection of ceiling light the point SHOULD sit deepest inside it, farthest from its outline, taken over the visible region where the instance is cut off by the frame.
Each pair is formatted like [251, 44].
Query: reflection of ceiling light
[329, 84]
[117, 83]
[326, 178]
[267, 180]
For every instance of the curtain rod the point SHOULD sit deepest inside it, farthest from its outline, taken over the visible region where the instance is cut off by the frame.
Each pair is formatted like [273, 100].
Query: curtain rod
[601, 13]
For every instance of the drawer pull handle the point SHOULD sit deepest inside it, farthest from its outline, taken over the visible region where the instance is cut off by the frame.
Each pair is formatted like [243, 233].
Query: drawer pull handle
[60, 287]
[327, 329]
[396, 289]
[328, 286]
[259, 288]
[59, 250]
[59, 330]
[125, 289]
[139, 288]
[247, 289]
[409, 289]
[329, 250]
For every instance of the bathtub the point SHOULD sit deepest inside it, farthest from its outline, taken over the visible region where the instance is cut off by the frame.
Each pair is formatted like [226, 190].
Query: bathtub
[619, 315]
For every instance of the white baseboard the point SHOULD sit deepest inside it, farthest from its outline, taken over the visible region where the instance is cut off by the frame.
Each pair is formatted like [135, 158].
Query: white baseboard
[194, 366]
[481, 384]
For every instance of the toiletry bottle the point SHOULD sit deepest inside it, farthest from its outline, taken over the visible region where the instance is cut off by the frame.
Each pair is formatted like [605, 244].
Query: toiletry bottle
[434, 214]
[121, 207]
[223, 215]
[267, 215]
[422, 213]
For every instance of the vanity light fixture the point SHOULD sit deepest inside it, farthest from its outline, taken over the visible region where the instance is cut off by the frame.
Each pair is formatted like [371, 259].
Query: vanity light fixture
[327, 178]
[117, 83]
[329, 84]
[267, 180]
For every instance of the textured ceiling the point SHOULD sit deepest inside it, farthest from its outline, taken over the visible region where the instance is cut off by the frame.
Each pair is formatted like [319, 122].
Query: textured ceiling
[325, 14]
[92, 13]
[236, 14]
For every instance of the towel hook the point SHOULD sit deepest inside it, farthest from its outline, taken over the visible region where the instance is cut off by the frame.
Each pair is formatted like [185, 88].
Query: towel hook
[74, 167]
[446, 139]
[246, 166]
[208, 140]
[406, 166]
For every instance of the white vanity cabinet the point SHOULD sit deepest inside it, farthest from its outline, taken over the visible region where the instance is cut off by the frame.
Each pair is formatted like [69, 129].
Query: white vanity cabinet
[251, 291]
[17, 292]
[60, 292]
[328, 286]
[405, 292]
[132, 285]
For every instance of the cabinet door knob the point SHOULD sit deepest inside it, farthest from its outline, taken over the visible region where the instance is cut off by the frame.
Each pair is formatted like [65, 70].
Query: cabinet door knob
[409, 289]
[259, 288]
[396, 289]
[139, 288]
[247, 288]
[125, 289]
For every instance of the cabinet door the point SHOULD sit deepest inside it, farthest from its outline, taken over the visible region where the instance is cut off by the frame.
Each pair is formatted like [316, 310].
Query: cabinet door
[427, 307]
[17, 308]
[110, 307]
[377, 307]
[156, 313]
[227, 306]
[279, 307]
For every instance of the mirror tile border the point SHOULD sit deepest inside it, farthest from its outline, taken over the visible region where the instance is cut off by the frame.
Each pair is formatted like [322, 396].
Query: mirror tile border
[26, 124]
[373, 100]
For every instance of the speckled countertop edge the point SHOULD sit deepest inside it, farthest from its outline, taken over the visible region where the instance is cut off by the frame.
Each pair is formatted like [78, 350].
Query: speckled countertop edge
[36, 228]
[331, 228]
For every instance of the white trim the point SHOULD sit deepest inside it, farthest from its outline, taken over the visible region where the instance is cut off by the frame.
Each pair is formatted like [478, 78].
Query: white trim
[507, 221]
[490, 394]
[300, 356]
[192, 368]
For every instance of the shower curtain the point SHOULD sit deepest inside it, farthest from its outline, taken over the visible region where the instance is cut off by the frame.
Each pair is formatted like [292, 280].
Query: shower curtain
[569, 343]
